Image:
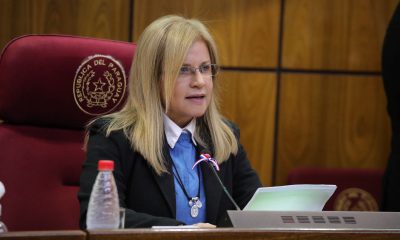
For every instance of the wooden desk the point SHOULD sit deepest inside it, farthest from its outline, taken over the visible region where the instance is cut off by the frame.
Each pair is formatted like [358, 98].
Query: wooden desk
[44, 235]
[201, 234]
[239, 234]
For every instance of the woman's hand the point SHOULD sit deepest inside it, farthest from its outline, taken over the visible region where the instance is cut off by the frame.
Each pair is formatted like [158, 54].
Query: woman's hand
[204, 225]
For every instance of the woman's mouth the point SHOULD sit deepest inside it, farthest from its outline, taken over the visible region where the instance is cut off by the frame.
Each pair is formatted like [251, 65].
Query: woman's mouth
[198, 98]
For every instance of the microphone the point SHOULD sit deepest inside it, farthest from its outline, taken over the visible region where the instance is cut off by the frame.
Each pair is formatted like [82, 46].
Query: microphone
[210, 162]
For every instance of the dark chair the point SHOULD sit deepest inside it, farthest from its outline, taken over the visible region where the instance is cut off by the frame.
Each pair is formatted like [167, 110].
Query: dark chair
[357, 189]
[50, 87]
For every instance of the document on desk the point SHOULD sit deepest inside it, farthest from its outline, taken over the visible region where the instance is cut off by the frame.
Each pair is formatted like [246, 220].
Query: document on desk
[298, 197]
[177, 227]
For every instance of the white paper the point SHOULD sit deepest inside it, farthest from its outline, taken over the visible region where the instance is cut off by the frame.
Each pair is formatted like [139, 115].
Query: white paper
[175, 227]
[298, 197]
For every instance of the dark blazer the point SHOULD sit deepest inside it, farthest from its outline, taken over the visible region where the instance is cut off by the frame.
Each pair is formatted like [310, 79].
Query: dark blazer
[391, 80]
[149, 198]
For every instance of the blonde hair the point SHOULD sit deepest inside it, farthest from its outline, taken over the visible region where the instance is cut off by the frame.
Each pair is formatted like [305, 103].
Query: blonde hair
[160, 52]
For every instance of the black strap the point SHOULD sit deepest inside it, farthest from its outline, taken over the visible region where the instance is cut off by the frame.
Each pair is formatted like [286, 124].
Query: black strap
[178, 178]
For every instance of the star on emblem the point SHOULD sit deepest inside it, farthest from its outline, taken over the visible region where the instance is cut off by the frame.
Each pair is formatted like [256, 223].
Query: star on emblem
[99, 85]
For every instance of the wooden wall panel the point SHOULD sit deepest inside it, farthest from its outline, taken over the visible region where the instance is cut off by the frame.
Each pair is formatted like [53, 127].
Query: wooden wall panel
[335, 35]
[246, 31]
[13, 19]
[94, 18]
[248, 99]
[331, 121]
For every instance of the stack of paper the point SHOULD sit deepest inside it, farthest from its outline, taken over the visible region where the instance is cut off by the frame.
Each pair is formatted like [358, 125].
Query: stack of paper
[301, 197]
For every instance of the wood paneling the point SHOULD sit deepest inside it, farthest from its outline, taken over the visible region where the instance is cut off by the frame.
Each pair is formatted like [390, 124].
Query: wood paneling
[242, 234]
[335, 35]
[331, 121]
[248, 99]
[45, 235]
[14, 16]
[95, 18]
[246, 31]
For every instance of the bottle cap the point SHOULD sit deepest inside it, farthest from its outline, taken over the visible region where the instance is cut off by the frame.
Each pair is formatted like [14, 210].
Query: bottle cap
[106, 165]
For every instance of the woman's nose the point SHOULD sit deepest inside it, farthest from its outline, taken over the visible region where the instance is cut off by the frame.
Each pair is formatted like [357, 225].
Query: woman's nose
[198, 79]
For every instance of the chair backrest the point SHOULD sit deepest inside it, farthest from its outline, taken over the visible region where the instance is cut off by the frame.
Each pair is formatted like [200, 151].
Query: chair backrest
[357, 189]
[50, 87]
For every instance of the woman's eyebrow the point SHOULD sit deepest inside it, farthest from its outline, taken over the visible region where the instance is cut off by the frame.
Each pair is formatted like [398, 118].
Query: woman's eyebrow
[190, 65]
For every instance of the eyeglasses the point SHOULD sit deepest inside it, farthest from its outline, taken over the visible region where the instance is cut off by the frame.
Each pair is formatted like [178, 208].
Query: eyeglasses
[206, 70]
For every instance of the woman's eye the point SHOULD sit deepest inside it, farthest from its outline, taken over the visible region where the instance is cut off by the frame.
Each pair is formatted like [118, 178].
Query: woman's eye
[205, 68]
[185, 70]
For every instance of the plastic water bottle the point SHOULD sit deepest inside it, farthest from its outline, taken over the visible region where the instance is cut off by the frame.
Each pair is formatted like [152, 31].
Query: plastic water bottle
[103, 209]
[3, 227]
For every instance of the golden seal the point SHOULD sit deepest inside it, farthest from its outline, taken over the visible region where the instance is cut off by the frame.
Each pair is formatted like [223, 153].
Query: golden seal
[99, 84]
[355, 199]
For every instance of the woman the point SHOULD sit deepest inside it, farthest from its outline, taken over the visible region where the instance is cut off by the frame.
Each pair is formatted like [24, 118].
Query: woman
[170, 118]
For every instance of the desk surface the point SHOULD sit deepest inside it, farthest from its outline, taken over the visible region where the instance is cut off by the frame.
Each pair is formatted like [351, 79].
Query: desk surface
[45, 235]
[206, 234]
[242, 234]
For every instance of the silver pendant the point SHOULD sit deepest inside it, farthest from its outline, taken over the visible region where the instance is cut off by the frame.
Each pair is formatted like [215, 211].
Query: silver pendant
[194, 211]
[195, 204]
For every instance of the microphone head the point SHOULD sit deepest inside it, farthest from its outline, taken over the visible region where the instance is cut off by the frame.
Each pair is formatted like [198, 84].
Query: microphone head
[204, 150]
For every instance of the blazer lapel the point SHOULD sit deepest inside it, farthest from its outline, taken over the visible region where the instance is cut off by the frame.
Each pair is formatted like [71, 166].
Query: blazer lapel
[166, 183]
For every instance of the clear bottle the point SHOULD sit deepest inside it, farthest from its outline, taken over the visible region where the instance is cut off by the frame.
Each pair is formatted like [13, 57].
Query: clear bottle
[103, 209]
[3, 227]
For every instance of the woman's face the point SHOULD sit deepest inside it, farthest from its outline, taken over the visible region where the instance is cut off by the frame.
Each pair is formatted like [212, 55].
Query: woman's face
[193, 90]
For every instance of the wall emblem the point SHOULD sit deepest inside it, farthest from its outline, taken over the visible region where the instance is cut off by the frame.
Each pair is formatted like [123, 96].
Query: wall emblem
[99, 84]
[355, 199]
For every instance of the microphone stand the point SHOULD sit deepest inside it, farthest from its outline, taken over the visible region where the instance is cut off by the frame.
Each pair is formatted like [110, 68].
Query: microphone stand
[223, 186]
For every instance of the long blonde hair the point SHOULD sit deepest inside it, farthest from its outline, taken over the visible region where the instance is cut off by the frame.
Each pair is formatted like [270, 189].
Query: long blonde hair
[160, 52]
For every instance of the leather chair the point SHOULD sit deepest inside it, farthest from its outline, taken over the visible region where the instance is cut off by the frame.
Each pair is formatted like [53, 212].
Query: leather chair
[357, 189]
[50, 87]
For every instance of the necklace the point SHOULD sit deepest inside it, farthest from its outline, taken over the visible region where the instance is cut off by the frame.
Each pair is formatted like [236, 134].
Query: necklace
[194, 202]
